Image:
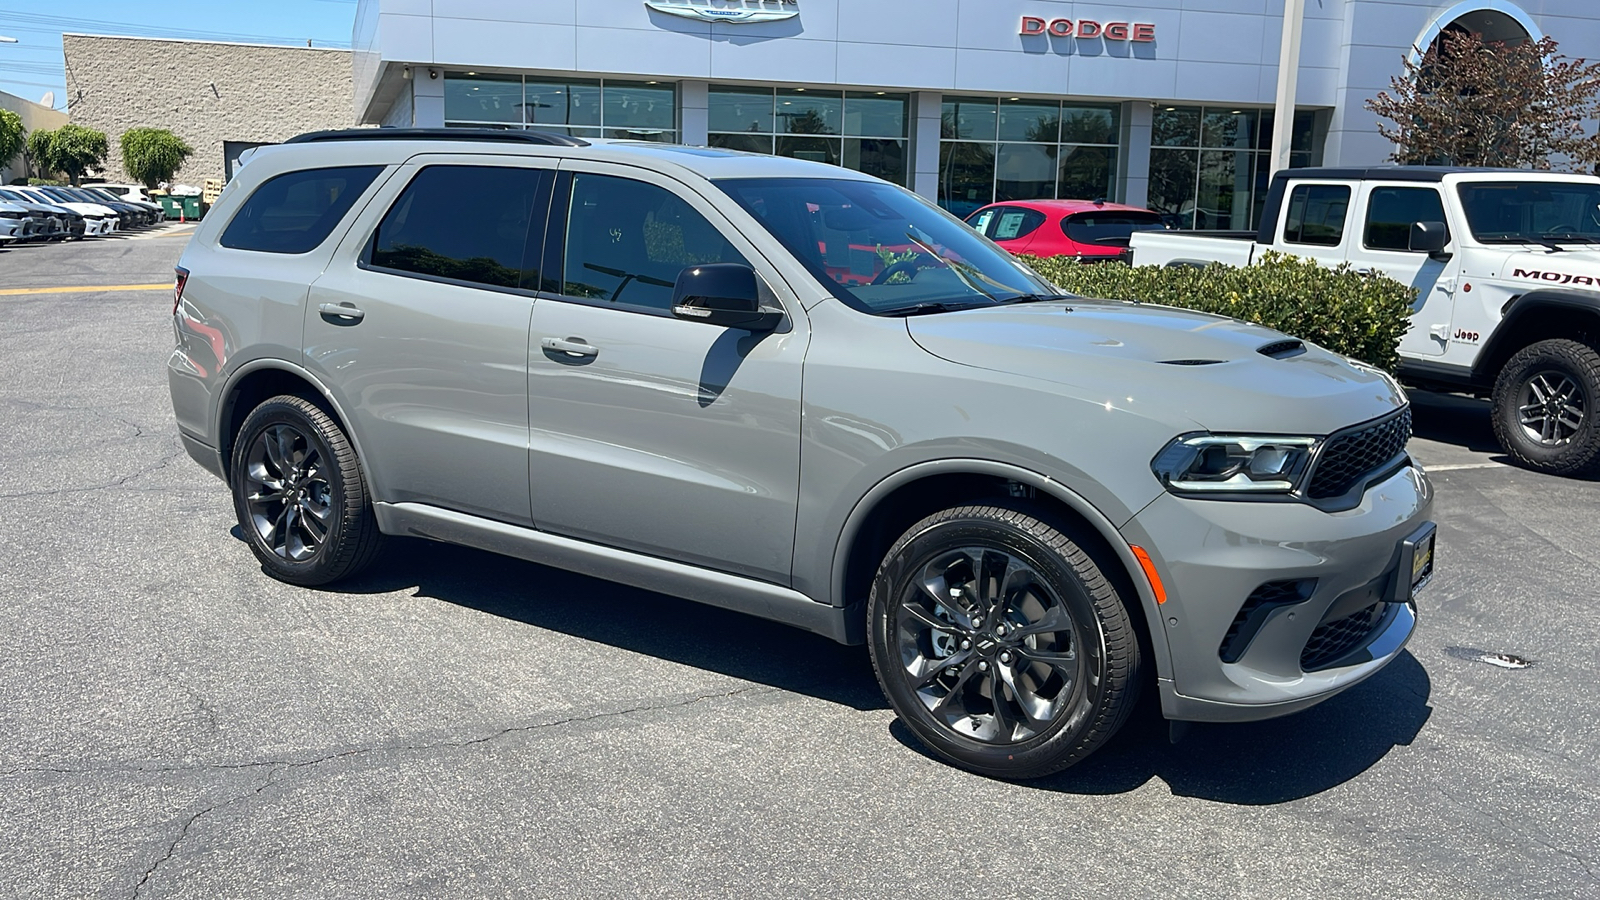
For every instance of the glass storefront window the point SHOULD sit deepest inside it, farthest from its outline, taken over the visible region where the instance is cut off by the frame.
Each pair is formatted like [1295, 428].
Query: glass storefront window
[864, 130]
[1176, 126]
[741, 110]
[559, 105]
[1039, 150]
[1172, 184]
[969, 118]
[1210, 167]
[638, 110]
[1229, 128]
[1030, 121]
[494, 99]
[802, 111]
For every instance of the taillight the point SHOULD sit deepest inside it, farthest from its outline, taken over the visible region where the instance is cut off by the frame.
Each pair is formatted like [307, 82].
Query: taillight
[177, 286]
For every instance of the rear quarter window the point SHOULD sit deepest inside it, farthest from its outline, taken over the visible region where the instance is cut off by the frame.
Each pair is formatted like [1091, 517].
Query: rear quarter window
[296, 211]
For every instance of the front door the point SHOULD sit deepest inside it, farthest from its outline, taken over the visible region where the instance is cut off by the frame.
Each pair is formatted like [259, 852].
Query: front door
[1386, 216]
[423, 336]
[668, 437]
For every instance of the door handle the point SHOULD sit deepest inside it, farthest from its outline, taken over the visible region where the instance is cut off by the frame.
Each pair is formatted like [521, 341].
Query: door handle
[572, 346]
[1364, 271]
[341, 313]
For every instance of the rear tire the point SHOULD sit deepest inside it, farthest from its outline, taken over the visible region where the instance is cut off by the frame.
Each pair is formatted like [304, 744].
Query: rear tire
[299, 494]
[1544, 407]
[1000, 643]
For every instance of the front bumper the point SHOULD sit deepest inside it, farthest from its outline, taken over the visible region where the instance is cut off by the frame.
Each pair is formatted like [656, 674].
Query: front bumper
[1214, 554]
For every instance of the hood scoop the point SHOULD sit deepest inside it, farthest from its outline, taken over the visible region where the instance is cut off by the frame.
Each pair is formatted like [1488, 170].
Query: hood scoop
[1190, 362]
[1282, 349]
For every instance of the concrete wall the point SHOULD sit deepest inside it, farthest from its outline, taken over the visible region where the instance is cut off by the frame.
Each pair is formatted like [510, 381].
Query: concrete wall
[206, 93]
[34, 118]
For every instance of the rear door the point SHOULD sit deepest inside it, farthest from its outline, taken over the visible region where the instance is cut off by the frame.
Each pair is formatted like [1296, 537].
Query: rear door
[1386, 213]
[420, 329]
[674, 438]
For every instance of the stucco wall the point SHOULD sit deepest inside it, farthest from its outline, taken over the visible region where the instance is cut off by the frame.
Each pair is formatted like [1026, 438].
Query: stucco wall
[207, 93]
[34, 118]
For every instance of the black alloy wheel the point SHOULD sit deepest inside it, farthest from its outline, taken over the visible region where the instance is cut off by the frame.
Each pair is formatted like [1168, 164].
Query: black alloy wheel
[1544, 407]
[299, 494]
[1000, 642]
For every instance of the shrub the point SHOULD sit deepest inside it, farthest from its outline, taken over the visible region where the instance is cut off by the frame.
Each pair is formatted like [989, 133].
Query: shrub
[70, 149]
[44, 182]
[12, 136]
[1362, 316]
[153, 155]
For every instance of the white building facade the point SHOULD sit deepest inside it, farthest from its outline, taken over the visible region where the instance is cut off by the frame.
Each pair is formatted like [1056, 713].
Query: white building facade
[1165, 103]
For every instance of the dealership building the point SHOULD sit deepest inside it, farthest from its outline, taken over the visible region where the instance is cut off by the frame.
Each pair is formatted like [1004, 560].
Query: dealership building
[1165, 103]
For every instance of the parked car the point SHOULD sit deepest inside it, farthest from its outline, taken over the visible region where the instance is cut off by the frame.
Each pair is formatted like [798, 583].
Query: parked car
[53, 222]
[150, 213]
[16, 222]
[128, 216]
[130, 192]
[98, 218]
[1506, 264]
[629, 359]
[1091, 230]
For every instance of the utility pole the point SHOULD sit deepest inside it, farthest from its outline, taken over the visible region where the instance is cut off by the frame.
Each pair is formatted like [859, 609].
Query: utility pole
[1288, 74]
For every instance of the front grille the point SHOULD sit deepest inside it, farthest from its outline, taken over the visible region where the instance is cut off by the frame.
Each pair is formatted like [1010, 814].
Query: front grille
[1253, 614]
[1332, 640]
[1352, 455]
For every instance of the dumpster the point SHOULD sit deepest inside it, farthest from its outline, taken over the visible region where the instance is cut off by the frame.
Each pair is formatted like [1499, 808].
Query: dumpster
[182, 207]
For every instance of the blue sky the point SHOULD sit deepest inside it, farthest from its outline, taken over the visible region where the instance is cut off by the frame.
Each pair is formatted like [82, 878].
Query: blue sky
[34, 64]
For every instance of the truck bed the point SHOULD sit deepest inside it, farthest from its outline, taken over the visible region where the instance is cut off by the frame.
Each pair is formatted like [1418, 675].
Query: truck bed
[1193, 248]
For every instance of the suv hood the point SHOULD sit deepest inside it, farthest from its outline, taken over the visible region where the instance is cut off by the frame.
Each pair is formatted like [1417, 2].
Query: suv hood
[1163, 361]
[1573, 267]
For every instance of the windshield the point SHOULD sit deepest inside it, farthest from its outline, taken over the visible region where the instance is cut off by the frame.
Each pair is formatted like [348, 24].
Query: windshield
[1513, 212]
[1110, 228]
[882, 249]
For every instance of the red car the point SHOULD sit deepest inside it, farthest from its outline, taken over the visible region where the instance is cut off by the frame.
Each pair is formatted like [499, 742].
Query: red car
[1088, 229]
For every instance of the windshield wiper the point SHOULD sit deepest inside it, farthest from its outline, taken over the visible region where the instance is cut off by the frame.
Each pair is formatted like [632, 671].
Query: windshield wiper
[951, 265]
[1036, 298]
[932, 306]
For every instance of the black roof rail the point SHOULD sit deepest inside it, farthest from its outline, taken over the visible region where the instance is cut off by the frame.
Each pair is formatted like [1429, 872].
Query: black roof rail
[518, 136]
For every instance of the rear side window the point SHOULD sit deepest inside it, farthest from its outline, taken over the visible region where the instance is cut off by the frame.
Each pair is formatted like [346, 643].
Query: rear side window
[1391, 212]
[1316, 215]
[296, 211]
[627, 241]
[467, 223]
[1110, 228]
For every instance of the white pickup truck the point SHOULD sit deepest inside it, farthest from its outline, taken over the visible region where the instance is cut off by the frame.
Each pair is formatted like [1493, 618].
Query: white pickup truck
[1506, 264]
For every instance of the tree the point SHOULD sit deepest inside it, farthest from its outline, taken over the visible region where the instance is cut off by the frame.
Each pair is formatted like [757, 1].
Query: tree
[153, 155]
[1474, 103]
[71, 149]
[12, 136]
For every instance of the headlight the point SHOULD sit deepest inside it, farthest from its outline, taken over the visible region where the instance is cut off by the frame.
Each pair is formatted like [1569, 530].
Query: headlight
[1243, 463]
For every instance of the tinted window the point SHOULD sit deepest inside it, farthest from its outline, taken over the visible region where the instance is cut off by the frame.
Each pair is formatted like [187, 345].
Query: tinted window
[1010, 223]
[1316, 215]
[466, 223]
[1391, 212]
[1110, 228]
[627, 241]
[296, 211]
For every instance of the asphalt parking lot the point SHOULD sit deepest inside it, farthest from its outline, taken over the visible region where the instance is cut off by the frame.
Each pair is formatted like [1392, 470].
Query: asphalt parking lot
[173, 723]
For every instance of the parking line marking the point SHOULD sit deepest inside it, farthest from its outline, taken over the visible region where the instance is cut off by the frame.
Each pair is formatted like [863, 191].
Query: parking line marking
[1457, 467]
[85, 289]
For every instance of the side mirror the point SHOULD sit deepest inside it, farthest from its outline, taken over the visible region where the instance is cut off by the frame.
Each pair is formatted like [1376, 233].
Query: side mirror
[722, 294]
[1429, 238]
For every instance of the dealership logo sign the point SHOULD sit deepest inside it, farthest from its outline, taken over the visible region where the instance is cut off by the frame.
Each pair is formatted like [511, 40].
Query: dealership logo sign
[1088, 28]
[738, 12]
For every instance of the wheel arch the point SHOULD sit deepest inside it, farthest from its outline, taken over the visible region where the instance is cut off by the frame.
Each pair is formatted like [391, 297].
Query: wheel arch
[912, 493]
[255, 382]
[1536, 316]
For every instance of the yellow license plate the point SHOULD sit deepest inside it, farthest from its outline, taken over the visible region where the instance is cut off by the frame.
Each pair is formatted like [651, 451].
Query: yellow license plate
[1422, 564]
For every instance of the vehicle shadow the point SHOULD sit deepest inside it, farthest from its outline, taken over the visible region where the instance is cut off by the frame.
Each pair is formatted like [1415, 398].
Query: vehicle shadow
[706, 637]
[1453, 419]
[1256, 763]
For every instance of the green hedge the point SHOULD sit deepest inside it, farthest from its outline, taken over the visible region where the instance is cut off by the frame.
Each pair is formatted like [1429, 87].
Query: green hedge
[1355, 315]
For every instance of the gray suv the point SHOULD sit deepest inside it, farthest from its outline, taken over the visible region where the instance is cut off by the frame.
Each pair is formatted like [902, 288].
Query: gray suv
[800, 392]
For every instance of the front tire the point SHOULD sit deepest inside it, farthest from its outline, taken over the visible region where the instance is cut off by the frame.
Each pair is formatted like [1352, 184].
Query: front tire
[1000, 643]
[1544, 408]
[299, 494]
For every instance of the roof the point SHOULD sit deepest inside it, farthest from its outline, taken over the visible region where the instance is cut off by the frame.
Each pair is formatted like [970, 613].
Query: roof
[1066, 207]
[1433, 174]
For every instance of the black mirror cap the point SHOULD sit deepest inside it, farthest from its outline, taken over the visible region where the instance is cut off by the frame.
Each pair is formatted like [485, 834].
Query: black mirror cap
[722, 294]
[1429, 237]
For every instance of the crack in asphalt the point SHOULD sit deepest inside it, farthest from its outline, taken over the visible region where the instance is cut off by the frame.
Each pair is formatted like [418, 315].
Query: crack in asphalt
[293, 764]
[183, 832]
[164, 462]
[1524, 831]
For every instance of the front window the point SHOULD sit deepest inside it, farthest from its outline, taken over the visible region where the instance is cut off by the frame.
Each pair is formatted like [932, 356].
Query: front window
[1512, 212]
[882, 249]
